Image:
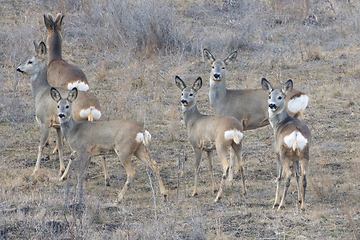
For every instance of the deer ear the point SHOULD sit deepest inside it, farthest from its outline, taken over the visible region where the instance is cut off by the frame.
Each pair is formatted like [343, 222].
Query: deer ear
[266, 86]
[197, 84]
[230, 58]
[180, 83]
[208, 56]
[55, 94]
[72, 95]
[288, 86]
[41, 50]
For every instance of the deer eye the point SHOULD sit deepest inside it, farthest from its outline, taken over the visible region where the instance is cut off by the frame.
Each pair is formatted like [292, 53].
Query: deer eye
[191, 94]
[279, 97]
[30, 62]
[67, 106]
[58, 106]
[223, 68]
[212, 67]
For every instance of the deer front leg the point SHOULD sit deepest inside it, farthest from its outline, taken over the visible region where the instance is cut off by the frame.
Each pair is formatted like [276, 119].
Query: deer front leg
[198, 155]
[210, 161]
[59, 146]
[44, 136]
[226, 167]
[278, 182]
[107, 178]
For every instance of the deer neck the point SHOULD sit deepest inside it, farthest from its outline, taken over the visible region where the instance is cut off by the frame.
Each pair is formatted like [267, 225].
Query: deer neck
[39, 82]
[217, 91]
[67, 126]
[278, 119]
[190, 115]
[54, 42]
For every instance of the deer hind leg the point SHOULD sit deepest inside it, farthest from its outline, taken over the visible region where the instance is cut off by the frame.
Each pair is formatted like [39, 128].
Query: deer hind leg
[107, 178]
[286, 165]
[239, 163]
[210, 162]
[297, 176]
[198, 155]
[278, 182]
[226, 168]
[304, 166]
[44, 136]
[233, 166]
[142, 154]
[126, 161]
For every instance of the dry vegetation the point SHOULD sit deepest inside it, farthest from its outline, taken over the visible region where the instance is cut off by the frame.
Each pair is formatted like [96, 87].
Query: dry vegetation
[130, 52]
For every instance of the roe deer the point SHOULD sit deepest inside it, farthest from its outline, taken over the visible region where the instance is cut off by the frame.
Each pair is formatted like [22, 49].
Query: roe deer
[247, 105]
[85, 106]
[292, 142]
[123, 138]
[207, 133]
[61, 73]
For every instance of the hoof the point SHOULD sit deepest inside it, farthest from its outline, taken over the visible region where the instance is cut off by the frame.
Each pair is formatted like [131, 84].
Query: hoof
[275, 205]
[107, 182]
[215, 191]
[61, 172]
[194, 194]
[63, 179]
[165, 197]
[281, 207]
[217, 199]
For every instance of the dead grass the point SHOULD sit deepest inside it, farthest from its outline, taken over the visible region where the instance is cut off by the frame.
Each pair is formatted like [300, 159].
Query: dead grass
[130, 52]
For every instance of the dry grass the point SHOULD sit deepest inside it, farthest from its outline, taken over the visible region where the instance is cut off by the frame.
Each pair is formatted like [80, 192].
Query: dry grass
[130, 52]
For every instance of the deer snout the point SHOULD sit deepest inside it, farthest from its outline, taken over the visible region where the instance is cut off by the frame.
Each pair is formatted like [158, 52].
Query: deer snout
[184, 102]
[19, 70]
[272, 106]
[216, 76]
[61, 115]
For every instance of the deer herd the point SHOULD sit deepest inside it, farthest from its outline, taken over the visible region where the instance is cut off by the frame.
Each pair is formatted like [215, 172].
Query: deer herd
[64, 101]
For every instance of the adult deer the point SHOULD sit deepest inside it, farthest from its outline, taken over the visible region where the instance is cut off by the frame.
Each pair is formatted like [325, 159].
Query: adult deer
[247, 105]
[123, 138]
[61, 73]
[291, 140]
[207, 133]
[85, 107]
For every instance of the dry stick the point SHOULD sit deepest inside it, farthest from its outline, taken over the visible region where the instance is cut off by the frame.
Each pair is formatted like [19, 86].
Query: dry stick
[352, 224]
[183, 165]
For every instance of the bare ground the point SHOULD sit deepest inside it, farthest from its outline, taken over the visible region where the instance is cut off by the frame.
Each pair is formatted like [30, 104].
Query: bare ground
[135, 82]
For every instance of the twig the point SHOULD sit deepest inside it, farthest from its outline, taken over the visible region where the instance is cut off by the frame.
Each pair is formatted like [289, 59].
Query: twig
[352, 224]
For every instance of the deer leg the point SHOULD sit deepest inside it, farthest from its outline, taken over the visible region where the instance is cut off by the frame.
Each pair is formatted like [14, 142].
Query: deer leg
[278, 182]
[210, 161]
[286, 165]
[238, 153]
[304, 166]
[107, 178]
[198, 155]
[297, 176]
[44, 136]
[59, 146]
[233, 165]
[126, 161]
[226, 167]
[142, 154]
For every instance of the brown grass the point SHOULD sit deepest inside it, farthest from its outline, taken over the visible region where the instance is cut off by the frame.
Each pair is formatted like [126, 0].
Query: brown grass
[131, 52]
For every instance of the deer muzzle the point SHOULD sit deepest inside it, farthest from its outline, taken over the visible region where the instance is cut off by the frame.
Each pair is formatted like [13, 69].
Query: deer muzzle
[272, 106]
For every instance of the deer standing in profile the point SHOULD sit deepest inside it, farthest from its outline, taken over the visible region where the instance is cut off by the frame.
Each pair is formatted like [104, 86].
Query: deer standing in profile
[207, 133]
[291, 140]
[87, 104]
[121, 137]
[247, 105]
[61, 73]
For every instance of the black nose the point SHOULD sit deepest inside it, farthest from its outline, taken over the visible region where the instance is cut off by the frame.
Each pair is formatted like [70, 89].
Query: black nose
[272, 106]
[61, 115]
[216, 75]
[184, 102]
[19, 70]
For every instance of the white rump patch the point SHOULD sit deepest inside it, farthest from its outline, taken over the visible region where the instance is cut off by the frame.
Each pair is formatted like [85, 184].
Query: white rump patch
[80, 85]
[295, 140]
[295, 104]
[140, 137]
[234, 135]
[96, 114]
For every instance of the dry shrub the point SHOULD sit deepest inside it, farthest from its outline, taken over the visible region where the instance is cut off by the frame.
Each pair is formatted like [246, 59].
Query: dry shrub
[314, 54]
